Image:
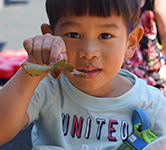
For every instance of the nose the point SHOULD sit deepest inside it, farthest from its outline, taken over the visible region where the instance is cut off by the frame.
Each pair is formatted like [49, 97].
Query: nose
[89, 50]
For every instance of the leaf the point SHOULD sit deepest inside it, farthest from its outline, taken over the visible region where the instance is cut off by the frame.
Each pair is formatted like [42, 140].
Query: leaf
[63, 64]
[56, 69]
[78, 73]
[35, 69]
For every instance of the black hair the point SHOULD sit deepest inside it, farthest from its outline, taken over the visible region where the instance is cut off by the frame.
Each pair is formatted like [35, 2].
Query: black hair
[128, 9]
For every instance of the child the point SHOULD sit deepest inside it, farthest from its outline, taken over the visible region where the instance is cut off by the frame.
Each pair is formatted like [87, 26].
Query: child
[82, 113]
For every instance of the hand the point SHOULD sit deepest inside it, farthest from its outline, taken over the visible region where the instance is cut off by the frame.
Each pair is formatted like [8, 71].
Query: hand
[45, 49]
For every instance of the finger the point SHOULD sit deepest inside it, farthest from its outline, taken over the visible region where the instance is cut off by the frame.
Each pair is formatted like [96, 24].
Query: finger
[63, 56]
[46, 48]
[28, 46]
[37, 49]
[58, 47]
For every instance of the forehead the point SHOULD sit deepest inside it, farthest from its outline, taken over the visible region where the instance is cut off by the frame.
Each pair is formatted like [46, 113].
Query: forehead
[109, 22]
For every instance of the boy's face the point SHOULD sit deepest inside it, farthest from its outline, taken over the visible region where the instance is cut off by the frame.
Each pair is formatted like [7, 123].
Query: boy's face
[96, 46]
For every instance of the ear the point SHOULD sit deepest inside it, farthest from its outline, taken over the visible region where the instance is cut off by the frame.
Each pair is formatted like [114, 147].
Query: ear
[133, 40]
[45, 28]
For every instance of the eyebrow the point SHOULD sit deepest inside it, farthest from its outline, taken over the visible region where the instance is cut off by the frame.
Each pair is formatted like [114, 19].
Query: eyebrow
[109, 25]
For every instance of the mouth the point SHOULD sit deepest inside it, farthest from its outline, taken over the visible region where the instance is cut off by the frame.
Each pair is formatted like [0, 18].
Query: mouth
[90, 73]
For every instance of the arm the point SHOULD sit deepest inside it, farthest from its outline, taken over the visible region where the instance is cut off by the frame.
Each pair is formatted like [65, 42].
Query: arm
[15, 97]
[159, 6]
[16, 94]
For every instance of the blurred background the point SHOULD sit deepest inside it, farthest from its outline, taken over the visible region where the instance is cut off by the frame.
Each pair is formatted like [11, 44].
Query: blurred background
[19, 19]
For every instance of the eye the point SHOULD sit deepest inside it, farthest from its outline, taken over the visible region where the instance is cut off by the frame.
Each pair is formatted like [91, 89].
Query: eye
[105, 36]
[73, 35]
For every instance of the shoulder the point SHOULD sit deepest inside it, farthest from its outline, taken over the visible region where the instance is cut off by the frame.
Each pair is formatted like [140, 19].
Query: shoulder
[142, 88]
[151, 100]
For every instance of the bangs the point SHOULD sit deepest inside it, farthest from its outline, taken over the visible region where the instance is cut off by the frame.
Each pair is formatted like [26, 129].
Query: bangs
[95, 8]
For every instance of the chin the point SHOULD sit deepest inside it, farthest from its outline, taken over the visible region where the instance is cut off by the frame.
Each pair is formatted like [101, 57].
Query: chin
[83, 84]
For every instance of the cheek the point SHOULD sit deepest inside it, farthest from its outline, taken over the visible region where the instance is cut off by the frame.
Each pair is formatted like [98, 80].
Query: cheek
[114, 59]
[70, 51]
[71, 55]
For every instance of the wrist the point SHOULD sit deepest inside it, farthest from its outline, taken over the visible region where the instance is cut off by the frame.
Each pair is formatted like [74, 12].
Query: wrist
[24, 75]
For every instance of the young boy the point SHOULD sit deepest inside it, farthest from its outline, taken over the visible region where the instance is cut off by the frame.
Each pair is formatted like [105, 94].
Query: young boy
[82, 113]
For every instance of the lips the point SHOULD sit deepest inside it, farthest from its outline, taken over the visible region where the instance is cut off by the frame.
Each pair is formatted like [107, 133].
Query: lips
[88, 71]
[91, 73]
